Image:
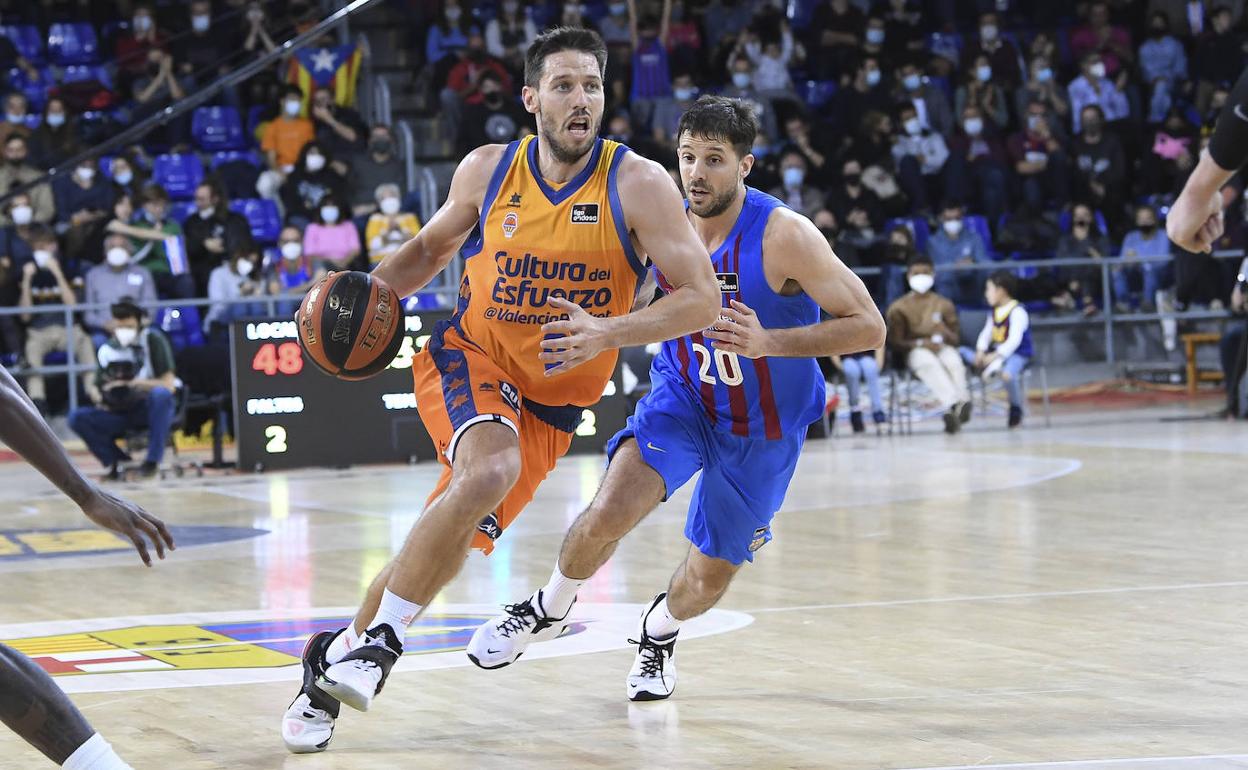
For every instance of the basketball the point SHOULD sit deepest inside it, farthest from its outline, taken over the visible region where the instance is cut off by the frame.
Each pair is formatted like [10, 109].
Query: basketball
[349, 325]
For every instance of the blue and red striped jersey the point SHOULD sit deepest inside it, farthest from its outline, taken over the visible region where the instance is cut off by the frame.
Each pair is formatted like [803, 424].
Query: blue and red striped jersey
[763, 398]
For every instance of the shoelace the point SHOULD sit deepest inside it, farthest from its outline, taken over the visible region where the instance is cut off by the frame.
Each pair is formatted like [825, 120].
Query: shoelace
[653, 654]
[518, 622]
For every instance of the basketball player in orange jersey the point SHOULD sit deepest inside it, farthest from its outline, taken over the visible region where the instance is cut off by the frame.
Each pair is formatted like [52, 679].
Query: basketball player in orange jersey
[30, 702]
[565, 222]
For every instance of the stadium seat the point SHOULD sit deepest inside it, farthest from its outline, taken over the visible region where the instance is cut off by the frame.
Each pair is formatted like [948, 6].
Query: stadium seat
[73, 43]
[181, 211]
[182, 325]
[178, 174]
[36, 91]
[217, 128]
[917, 227]
[223, 157]
[815, 93]
[33, 120]
[262, 215]
[79, 73]
[979, 224]
[26, 39]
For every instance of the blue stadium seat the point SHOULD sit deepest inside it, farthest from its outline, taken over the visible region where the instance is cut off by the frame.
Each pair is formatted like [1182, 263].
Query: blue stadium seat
[979, 224]
[181, 211]
[33, 120]
[178, 174]
[217, 128]
[263, 216]
[26, 39]
[815, 93]
[182, 325]
[799, 13]
[917, 227]
[73, 43]
[1063, 222]
[78, 73]
[249, 157]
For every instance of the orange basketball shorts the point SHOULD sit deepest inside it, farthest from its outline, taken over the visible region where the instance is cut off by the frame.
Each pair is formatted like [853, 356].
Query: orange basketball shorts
[459, 386]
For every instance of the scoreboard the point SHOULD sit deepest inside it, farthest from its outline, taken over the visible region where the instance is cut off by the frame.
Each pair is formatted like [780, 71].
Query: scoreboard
[289, 414]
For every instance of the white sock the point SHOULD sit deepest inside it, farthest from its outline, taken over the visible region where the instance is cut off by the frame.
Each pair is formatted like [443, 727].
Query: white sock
[95, 754]
[343, 643]
[396, 612]
[659, 621]
[559, 593]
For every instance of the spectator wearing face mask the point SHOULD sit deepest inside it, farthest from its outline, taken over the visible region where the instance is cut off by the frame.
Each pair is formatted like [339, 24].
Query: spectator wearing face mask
[651, 70]
[463, 83]
[283, 139]
[15, 251]
[741, 71]
[931, 106]
[83, 202]
[57, 137]
[205, 50]
[330, 241]
[1042, 87]
[1093, 88]
[837, 29]
[340, 130]
[509, 34]
[920, 155]
[449, 34]
[794, 189]
[976, 171]
[856, 207]
[311, 184]
[1040, 161]
[814, 147]
[293, 272]
[1002, 55]
[111, 280]
[230, 281]
[212, 233]
[1163, 65]
[44, 282]
[1099, 37]
[1146, 240]
[1100, 167]
[255, 29]
[771, 58]
[157, 241]
[667, 111]
[378, 164]
[497, 119]
[981, 89]
[128, 176]
[956, 244]
[390, 227]
[132, 48]
[1084, 241]
[867, 92]
[16, 170]
[15, 113]
[923, 330]
[1217, 57]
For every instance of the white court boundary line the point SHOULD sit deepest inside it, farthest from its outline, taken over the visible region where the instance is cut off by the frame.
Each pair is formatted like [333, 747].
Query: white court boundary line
[1003, 597]
[1090, 762]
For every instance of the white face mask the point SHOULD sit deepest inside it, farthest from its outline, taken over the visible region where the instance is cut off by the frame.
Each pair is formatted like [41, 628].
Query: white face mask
[207, 213]
[452, 14]
[389, 206]
[43, 258]
[142, 23]
[741, 79]
[200, 23]
[85, 173]
[683, 94]
[117, 257]
[55, 119]
[793, 177]
[329, 214]
[921, 283]
[953, 227]
[1097, 70]
[912, 126]
[292, 108]
[13, 117]
[973, 126]
[244, 267]
[875, 36]
[983, 73]
[1035, 122]
[1044, 75]
[873, 77]
[124, 178]
[292, 250]
[22, 215]
[126, 336]
[911, 82]
[988, 32]
[316, 162]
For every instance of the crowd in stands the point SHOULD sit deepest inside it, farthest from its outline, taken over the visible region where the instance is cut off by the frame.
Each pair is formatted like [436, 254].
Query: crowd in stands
[949, 132]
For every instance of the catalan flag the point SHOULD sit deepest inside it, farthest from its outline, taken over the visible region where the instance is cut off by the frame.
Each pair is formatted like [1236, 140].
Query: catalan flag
[336, 68]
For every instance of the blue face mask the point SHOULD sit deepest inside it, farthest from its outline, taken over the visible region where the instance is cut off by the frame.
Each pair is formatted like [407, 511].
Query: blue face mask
[912, 82]
[1044, 75]
[793, 177]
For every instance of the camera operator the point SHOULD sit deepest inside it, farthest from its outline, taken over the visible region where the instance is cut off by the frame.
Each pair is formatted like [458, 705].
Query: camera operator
[1235, 346]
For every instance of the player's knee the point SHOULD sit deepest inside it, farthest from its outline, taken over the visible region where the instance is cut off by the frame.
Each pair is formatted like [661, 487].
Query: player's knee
[494, 478]
[606, 522]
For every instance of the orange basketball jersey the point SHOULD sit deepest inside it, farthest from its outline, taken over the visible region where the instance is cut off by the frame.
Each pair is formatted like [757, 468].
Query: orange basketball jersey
[538, 241]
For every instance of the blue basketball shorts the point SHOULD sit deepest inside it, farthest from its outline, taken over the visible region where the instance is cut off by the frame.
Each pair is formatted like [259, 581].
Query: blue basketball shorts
[743, 482]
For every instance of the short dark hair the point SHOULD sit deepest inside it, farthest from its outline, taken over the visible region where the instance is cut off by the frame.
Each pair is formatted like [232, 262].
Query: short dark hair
[154, 193]
[42, 234]
[718, 117]
[126, 308]
[562, 39]
[1006, 281]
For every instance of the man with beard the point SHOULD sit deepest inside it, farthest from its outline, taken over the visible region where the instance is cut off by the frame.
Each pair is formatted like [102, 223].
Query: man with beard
[566, 223]
[733, 402]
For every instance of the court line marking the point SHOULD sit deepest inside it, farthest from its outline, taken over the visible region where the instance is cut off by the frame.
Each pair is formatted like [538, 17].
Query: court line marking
[1004, 597]
[1088, 762]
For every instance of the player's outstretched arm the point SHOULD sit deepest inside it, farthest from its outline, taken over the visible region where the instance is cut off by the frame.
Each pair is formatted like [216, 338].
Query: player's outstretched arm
[795, 250]
[416, 262]
[656, 216]
[25, 432]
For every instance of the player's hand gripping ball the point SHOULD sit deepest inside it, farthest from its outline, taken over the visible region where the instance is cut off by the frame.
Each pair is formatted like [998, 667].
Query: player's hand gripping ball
[350, 325]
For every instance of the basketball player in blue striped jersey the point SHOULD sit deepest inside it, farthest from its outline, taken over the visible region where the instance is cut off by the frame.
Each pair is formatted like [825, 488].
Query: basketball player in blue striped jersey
[733, 401]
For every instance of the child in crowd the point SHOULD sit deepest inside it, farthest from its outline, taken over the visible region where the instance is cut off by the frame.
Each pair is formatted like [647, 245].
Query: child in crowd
[1004, 346]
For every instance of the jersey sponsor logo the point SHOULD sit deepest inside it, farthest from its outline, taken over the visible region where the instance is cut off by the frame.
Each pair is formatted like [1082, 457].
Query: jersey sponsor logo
[584, 213]
[728, 282]
[254, 646]
[525, 282]
[510, 222]
[761, 536]
[23, 544]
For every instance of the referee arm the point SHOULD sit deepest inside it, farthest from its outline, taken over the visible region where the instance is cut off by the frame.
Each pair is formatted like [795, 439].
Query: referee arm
[1195, 220]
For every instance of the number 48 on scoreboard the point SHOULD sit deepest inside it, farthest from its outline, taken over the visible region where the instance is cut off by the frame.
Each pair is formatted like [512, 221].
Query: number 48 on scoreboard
[272, 358]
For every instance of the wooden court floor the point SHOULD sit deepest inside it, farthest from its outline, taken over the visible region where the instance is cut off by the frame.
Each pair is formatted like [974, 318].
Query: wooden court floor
[1051, 598]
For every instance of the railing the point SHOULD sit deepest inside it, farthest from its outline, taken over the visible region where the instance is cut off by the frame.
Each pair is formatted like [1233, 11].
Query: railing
[446, 286]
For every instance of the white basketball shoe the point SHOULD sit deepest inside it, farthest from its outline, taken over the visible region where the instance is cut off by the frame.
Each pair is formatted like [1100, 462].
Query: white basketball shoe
[501, 640]
[653, 676]
[358, 678]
